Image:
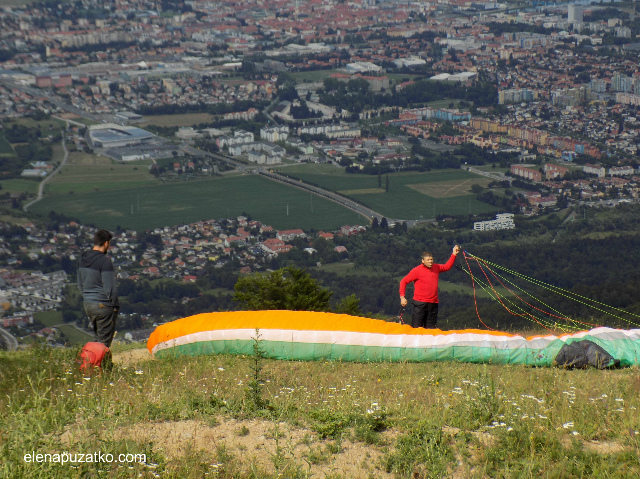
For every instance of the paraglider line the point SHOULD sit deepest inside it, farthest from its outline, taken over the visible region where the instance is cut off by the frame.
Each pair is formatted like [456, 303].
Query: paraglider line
[532, 306]
[502, 302]
[555, 324]
[475, 300]
[562, 292]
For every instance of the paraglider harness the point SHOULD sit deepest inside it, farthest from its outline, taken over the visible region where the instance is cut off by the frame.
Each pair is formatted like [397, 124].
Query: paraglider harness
[94, 357]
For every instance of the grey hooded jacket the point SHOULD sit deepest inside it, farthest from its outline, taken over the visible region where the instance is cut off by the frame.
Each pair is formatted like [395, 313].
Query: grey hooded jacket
[96, 279]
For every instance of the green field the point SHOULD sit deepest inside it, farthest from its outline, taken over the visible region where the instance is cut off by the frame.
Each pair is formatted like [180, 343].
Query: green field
[411, 195]
[48, 318]
[73, 335]
[19, 185]
[5, 147]
[84, 178]
[153, 206]
[44, 125]
[313, 76]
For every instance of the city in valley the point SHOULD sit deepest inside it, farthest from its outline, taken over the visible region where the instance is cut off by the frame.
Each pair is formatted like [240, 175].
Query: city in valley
[307, 127]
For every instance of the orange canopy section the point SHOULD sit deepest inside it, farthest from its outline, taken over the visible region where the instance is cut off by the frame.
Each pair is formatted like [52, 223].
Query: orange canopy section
[289, 320]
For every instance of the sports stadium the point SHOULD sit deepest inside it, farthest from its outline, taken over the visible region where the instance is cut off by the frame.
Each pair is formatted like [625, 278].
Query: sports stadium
[110, 135]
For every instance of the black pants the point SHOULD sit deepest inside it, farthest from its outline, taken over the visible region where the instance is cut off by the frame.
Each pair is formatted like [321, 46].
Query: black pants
[103, 320]
[424, 315]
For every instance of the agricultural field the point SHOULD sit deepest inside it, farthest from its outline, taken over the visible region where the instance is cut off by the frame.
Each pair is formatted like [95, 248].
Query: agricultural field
[411, 195]
[19, 185]
[242, 416]
[141, 208]
[84, 173]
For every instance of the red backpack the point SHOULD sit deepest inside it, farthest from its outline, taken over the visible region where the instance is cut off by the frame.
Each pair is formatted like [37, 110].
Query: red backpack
[94, 356]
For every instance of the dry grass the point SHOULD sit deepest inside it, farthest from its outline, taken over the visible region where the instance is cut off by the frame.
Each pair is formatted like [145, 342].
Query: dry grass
[363, 191]
[83, 159]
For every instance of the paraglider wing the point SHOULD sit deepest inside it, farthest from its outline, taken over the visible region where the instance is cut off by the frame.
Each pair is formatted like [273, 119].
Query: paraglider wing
[303, 335]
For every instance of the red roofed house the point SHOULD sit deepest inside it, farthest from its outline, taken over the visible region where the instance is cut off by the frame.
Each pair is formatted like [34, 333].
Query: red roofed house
[275, 246]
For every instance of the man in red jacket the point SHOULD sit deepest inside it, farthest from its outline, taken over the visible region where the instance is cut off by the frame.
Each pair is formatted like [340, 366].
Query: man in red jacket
[425, 295]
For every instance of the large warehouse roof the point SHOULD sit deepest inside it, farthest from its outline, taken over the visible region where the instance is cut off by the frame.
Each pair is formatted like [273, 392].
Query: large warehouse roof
[110, 135]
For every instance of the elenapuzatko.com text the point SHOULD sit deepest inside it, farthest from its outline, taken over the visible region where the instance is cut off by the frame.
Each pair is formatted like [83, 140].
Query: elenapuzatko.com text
[79, 458]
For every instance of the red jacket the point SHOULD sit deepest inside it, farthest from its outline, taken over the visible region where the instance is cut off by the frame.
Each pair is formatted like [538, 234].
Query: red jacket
[426, 281]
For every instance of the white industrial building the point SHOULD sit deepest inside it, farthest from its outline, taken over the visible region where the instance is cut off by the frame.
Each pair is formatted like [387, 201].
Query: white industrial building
[503, 221]
[363, 67]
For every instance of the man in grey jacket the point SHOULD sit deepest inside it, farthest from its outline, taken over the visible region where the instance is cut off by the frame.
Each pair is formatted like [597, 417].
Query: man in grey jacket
[97, 283]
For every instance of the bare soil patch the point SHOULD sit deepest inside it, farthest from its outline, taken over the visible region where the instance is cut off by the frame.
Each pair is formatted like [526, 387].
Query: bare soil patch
[77, 158]
[363, 191]
[130, 358]
[254, 442]
[68, 116]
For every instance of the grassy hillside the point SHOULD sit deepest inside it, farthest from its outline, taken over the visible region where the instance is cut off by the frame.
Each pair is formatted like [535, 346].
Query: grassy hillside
[235, 417]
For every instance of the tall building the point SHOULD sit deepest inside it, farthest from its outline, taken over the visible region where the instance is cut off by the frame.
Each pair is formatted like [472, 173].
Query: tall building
[621, 83]
[598, 85]
[575, 14]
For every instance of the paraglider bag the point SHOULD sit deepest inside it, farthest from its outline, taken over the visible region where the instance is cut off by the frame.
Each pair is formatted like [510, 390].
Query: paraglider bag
[94, 356]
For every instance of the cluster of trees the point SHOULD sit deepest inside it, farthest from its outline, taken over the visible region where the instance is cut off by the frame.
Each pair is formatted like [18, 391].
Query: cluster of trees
[503, 203]
[28, 148]
[515, 27]
[303, 111]
[355, 95]
[170, 298]
[6, 54]
[292, 289]
[213, 108]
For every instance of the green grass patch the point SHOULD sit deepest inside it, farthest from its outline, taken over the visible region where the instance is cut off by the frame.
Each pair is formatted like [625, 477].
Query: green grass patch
[19, 185]
[15, 220]
[74, 336]
[313, 76]
[48, 318]
[271, 203]
[84, 178]
[397, 78]
[46, 126]
[446, 103]
[408, 196]
[5, 146]
[85, 121]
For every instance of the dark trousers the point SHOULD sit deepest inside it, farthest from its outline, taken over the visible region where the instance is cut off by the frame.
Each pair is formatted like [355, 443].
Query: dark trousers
[103, 321]
[424, 315]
